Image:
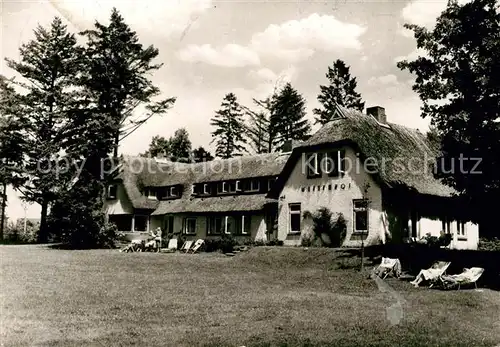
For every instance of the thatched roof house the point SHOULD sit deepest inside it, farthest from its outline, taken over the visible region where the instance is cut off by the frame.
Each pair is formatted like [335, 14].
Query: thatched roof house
[405, 157]
[139, 173]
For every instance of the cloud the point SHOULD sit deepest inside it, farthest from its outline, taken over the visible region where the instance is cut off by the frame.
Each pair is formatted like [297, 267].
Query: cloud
[265, 75]
[413, 55]
[291, 41]
[230, 55]
[383, 80]
[298, 39]
[425, 12]
[172, 16]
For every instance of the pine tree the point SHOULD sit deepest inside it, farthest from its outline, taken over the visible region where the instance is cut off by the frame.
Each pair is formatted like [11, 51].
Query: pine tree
[49, 65]
[288, 112]
[229, 128]
[341, 90]
[260, 132]
[117, 76]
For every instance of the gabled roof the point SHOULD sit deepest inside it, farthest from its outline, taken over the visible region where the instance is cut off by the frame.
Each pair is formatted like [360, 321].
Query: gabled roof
[384, 143]
[139, 172]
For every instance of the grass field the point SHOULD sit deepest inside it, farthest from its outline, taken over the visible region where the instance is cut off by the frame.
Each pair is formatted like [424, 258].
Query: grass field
[264, 297]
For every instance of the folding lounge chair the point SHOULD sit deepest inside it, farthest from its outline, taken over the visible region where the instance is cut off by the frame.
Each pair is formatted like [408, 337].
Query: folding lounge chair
[186, 246]
[196, 246]
[172, 246]
[432, 274]
[468, 276]
[388, 266]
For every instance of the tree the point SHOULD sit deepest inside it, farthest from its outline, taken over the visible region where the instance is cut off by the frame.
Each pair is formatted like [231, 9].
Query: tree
[229, 128]
[341, 90]
[12, 146]
[118, 67]
[260, 132]
[158, 146]
[180, 146]
[200, 155]
[458, 81]
[288, 112]
[49, 66]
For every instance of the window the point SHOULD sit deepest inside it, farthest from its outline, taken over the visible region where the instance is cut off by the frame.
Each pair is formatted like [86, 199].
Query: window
[174, 192]
[123, 222]
[222, 187]
[140, 223]
[215, 225]
[333, 163]
[461, 230]
[312, 165]
[446, 226]
[231, 187]
[242, 224]
[206, 189]
[238, 186]
[190, 226]
[150, 193]
[270, 183]
[112, 189]
[360, 216]
[295, 216]
[254, 186]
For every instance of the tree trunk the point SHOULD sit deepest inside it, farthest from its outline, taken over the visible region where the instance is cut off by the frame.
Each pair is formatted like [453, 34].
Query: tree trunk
[2, 209]
[43, 233]
[117, 140]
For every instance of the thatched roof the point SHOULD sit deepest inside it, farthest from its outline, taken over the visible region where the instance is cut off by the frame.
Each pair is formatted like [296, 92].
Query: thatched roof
[384, 144]
[139, 172]
[240, 203]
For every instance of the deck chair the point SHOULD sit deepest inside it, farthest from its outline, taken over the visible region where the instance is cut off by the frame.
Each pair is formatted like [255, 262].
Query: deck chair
[431, 274]
[387, 267]
[186, 246]
[171, 247]
[197, 245]
[468, 276]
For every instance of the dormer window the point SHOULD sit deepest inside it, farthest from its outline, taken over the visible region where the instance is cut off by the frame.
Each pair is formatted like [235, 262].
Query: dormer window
[223, 187]
[254, 186]
[206, 189]
[112, 192]
[150, 193]
[270, 183]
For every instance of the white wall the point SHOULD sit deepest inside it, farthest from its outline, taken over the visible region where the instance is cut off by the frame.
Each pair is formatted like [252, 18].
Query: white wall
[338, 200]
[120, 205]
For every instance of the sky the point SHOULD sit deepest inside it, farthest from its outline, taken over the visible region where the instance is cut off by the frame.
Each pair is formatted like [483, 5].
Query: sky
[210, 48]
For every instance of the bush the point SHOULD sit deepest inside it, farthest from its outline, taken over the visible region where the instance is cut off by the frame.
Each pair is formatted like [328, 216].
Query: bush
[14, 233]
[489, 244]
[324, 225]
[227, 243]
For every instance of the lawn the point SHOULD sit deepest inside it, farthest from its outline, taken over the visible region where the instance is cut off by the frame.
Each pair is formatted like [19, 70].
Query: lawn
[264, 297]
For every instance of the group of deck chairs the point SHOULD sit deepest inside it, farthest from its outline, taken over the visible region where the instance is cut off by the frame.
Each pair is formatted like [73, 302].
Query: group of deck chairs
[435, 276]
[187, 246]
[172, 247]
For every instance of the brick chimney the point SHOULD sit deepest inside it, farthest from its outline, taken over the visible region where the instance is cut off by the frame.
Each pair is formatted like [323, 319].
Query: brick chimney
[378, 113]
